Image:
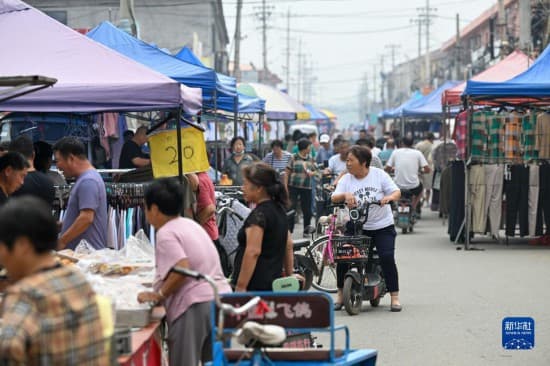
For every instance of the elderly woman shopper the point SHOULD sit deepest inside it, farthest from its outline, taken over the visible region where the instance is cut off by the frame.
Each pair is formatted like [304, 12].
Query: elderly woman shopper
[360, 185]
[238, 160]
[265, 245]
[182, 242]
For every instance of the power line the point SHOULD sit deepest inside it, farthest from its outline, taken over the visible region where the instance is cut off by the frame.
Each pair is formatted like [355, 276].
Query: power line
[371, 31]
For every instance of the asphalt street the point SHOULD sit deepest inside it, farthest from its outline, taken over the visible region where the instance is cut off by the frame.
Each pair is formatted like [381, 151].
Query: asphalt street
[454, 302]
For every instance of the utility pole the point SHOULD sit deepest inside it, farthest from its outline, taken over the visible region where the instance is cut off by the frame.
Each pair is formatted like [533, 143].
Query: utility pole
[299, 66]
[237, 58]
[264, 36]
[391, 81]
[288, 51]
[457, 48]
[426, 15]
[501, 25]
[263, 14]
[382, 80]
[418, 21]
[525, 26]
[374, 87]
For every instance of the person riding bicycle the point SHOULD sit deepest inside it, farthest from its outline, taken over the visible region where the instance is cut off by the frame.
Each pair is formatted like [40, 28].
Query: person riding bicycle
[360, 185]
[407, 162]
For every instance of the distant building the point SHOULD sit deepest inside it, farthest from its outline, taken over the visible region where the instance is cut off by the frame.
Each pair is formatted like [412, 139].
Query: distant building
[251, 74]
[483, 42]
[169, 24]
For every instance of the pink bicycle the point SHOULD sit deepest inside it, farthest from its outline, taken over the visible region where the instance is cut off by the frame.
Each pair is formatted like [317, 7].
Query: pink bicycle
[321, 251]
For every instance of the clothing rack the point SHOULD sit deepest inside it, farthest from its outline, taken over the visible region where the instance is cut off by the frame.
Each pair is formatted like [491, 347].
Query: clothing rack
[501, 160]
[127, 198]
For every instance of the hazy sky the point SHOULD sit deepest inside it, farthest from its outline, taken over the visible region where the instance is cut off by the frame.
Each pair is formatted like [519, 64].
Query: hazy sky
[343, 39]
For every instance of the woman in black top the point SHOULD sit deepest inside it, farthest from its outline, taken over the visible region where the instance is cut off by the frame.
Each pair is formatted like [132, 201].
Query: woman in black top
[265, 245]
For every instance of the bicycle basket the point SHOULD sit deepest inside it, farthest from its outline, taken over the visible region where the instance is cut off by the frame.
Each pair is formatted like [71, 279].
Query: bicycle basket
[350, 248]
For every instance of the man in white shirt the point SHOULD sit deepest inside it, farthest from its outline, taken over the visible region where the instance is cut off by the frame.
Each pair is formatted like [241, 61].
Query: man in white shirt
[407, 162]
[337, 163]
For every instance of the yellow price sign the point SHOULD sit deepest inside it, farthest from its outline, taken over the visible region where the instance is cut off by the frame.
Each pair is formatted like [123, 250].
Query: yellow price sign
[164, 152]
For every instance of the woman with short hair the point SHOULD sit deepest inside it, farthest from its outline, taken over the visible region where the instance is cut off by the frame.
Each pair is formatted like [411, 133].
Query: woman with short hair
[363, 184]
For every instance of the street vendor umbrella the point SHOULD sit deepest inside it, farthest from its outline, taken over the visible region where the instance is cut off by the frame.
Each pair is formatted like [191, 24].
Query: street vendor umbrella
[278, 105]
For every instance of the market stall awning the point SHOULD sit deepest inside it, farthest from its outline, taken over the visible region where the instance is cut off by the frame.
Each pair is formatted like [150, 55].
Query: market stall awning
[507, 68]
[155, 59]
[90, 77]
[315, 114]
[278, 105]
[246, 104]
[430, 105]
[396, 112]
[330, 115]
[187, 55]
[531, 86]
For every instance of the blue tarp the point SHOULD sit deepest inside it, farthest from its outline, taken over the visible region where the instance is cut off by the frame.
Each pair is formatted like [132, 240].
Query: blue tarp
[315, 114]
[150, 56]
[246, 104]
[429, 105]
[532, 83]
[187, 55]
[396, 112]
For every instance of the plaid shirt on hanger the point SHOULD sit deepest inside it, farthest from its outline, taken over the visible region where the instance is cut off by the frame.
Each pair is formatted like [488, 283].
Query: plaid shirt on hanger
[459, 134]
[496, 138]
[512, 137]
[528, 137]
[478, 133]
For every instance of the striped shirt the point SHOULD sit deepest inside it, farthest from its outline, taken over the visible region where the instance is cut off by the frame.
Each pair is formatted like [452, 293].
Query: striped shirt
[52, 318]
[278, 164]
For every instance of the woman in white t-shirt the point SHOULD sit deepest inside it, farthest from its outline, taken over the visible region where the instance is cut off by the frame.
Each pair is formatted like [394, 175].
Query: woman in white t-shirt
[362, 184]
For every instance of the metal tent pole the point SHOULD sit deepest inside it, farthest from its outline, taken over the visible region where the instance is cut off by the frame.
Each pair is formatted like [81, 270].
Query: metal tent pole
[467, 218]
[217, 148]
[260, 130]
[235, 115]
[178, 135]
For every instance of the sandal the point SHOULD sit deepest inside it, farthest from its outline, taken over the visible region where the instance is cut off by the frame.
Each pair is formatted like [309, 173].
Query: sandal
[338, 306]
[395, 308]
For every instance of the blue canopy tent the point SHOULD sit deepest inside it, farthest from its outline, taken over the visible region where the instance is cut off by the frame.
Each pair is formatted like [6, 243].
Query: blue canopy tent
[429, 105]
[531, 86]
[246, 104]
[152, 57]
[187, 55]
[396, 112]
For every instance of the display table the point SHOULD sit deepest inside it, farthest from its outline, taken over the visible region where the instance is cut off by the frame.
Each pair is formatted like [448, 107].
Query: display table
[146, 344]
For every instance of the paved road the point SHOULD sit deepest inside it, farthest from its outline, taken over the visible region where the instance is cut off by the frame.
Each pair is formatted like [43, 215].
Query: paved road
[454, 303]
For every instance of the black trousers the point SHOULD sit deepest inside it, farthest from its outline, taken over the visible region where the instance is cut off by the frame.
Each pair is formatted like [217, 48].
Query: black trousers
[543, 208]
[456, 205]
[304, 194]
[384, 241]
[517, 200]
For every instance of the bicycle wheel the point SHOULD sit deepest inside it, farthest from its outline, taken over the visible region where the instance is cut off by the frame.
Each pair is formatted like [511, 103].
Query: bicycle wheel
[325, 279]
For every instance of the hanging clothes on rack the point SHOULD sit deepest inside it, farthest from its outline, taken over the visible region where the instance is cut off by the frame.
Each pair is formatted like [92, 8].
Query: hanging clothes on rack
[543, 209]
[517, 198]
[477, 192]
[456, 216]
[542, 135]
[494, 179]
